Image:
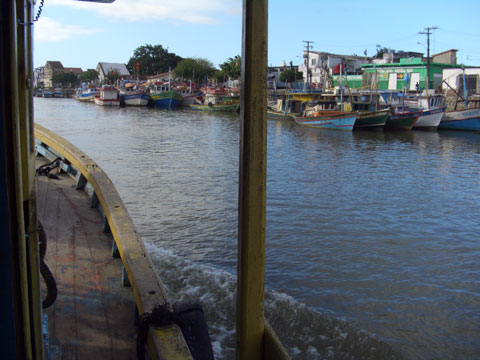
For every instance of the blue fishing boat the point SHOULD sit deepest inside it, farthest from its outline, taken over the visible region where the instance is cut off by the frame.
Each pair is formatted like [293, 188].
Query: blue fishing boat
[329, 119]
[466, 119]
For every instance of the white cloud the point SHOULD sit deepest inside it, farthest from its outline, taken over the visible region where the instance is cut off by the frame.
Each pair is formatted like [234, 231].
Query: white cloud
[190, 11]
[47, 29]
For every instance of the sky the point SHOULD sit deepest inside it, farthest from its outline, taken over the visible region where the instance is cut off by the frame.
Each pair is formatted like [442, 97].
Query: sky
[81, 34]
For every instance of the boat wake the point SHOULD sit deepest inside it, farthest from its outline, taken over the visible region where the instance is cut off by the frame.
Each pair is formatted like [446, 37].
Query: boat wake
[304, 332]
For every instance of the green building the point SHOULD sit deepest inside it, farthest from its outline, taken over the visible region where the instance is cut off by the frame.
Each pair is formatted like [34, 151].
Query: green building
[404, 74]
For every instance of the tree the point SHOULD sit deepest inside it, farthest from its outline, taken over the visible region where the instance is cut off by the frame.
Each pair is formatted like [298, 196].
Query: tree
[291, 75]
[382, 50]
[232, 67]
[219, 76]
[64, 79]
[112, 76]
[194, 68]
[88, 76]
[152, 60]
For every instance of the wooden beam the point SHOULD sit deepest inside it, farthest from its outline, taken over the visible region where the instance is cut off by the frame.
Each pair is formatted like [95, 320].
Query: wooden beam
[252, 181]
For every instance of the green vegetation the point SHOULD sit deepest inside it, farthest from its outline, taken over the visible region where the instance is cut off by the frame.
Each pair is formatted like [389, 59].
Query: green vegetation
[291, 75]
[89, 75]
[232, 68]
[67, 79]
[152, 60]
[112, 76]
[194, 68]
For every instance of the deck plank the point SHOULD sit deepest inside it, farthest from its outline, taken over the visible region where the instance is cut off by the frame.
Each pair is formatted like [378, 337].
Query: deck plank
[93, 315]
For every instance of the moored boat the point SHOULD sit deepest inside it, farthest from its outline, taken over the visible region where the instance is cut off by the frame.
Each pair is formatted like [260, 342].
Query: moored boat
[429, 118]
[47, 93]
[329, 119]
[402, 119]
[217, 101]
[163, 97]
[466, 119]
[284, 109]
[58, 93]
[108, 96]
[86, 94]
[372, 119]
[132, 95]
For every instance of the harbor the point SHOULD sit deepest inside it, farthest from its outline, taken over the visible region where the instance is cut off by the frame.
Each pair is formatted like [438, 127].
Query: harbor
[362, 251]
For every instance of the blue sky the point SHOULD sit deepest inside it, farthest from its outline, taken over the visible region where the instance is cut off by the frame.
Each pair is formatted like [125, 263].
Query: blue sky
[81, 34]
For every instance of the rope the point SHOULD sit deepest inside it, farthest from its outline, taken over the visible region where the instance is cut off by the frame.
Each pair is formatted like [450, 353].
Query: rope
[160, 316]
[46, 168]
[45, 271]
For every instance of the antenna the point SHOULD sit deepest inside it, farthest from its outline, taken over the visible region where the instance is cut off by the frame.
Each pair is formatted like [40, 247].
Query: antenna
[428, 33]
[308, 47]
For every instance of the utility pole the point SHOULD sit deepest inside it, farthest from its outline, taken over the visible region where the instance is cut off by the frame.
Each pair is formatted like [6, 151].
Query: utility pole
[428, 33]
[308, 56]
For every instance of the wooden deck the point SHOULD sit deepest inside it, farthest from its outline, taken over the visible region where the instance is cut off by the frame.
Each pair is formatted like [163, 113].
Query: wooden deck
[93, 316]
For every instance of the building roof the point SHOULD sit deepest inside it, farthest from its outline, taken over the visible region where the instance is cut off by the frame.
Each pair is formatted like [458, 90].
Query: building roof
[108, 67]
[445, 52]
[74, 70]
[415, 62]
[54, 64]
[351, 57]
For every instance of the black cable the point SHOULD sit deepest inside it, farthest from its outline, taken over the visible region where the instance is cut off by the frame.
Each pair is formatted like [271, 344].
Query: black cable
[39, 11]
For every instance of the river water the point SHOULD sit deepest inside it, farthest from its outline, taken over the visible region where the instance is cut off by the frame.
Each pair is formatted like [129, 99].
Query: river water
[372, 238]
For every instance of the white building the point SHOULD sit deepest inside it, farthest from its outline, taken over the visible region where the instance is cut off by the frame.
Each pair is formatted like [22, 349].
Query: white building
[454, 79]
[323, 65]
[38, 74]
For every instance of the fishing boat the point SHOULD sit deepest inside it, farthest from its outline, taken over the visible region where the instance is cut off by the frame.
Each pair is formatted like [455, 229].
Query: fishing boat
[430, 118]
[372, 119]
[284, 109]
[47, 93]
[402, 118]
[58, 93]
[163, 97]
[466, 119]
[216, 101]
[107, 96]
[432, 106]
[131, 94]
[329, 119]
[90, 276]
[86, 94]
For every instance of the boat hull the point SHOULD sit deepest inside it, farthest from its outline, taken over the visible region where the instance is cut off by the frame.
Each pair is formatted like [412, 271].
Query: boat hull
[107, 102]
[280, 115]
[372, 119]
[402, 121]
[135, 100]
[86, 98]
[330, 120]
[216, 107]
[467, 119]
[430, 118]
[166, 100]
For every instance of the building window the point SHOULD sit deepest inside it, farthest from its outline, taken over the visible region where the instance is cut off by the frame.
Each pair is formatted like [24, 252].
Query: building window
[314, 62]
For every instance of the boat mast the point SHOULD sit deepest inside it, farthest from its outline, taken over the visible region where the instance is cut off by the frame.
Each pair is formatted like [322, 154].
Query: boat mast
[465, 95]
[341, 89]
